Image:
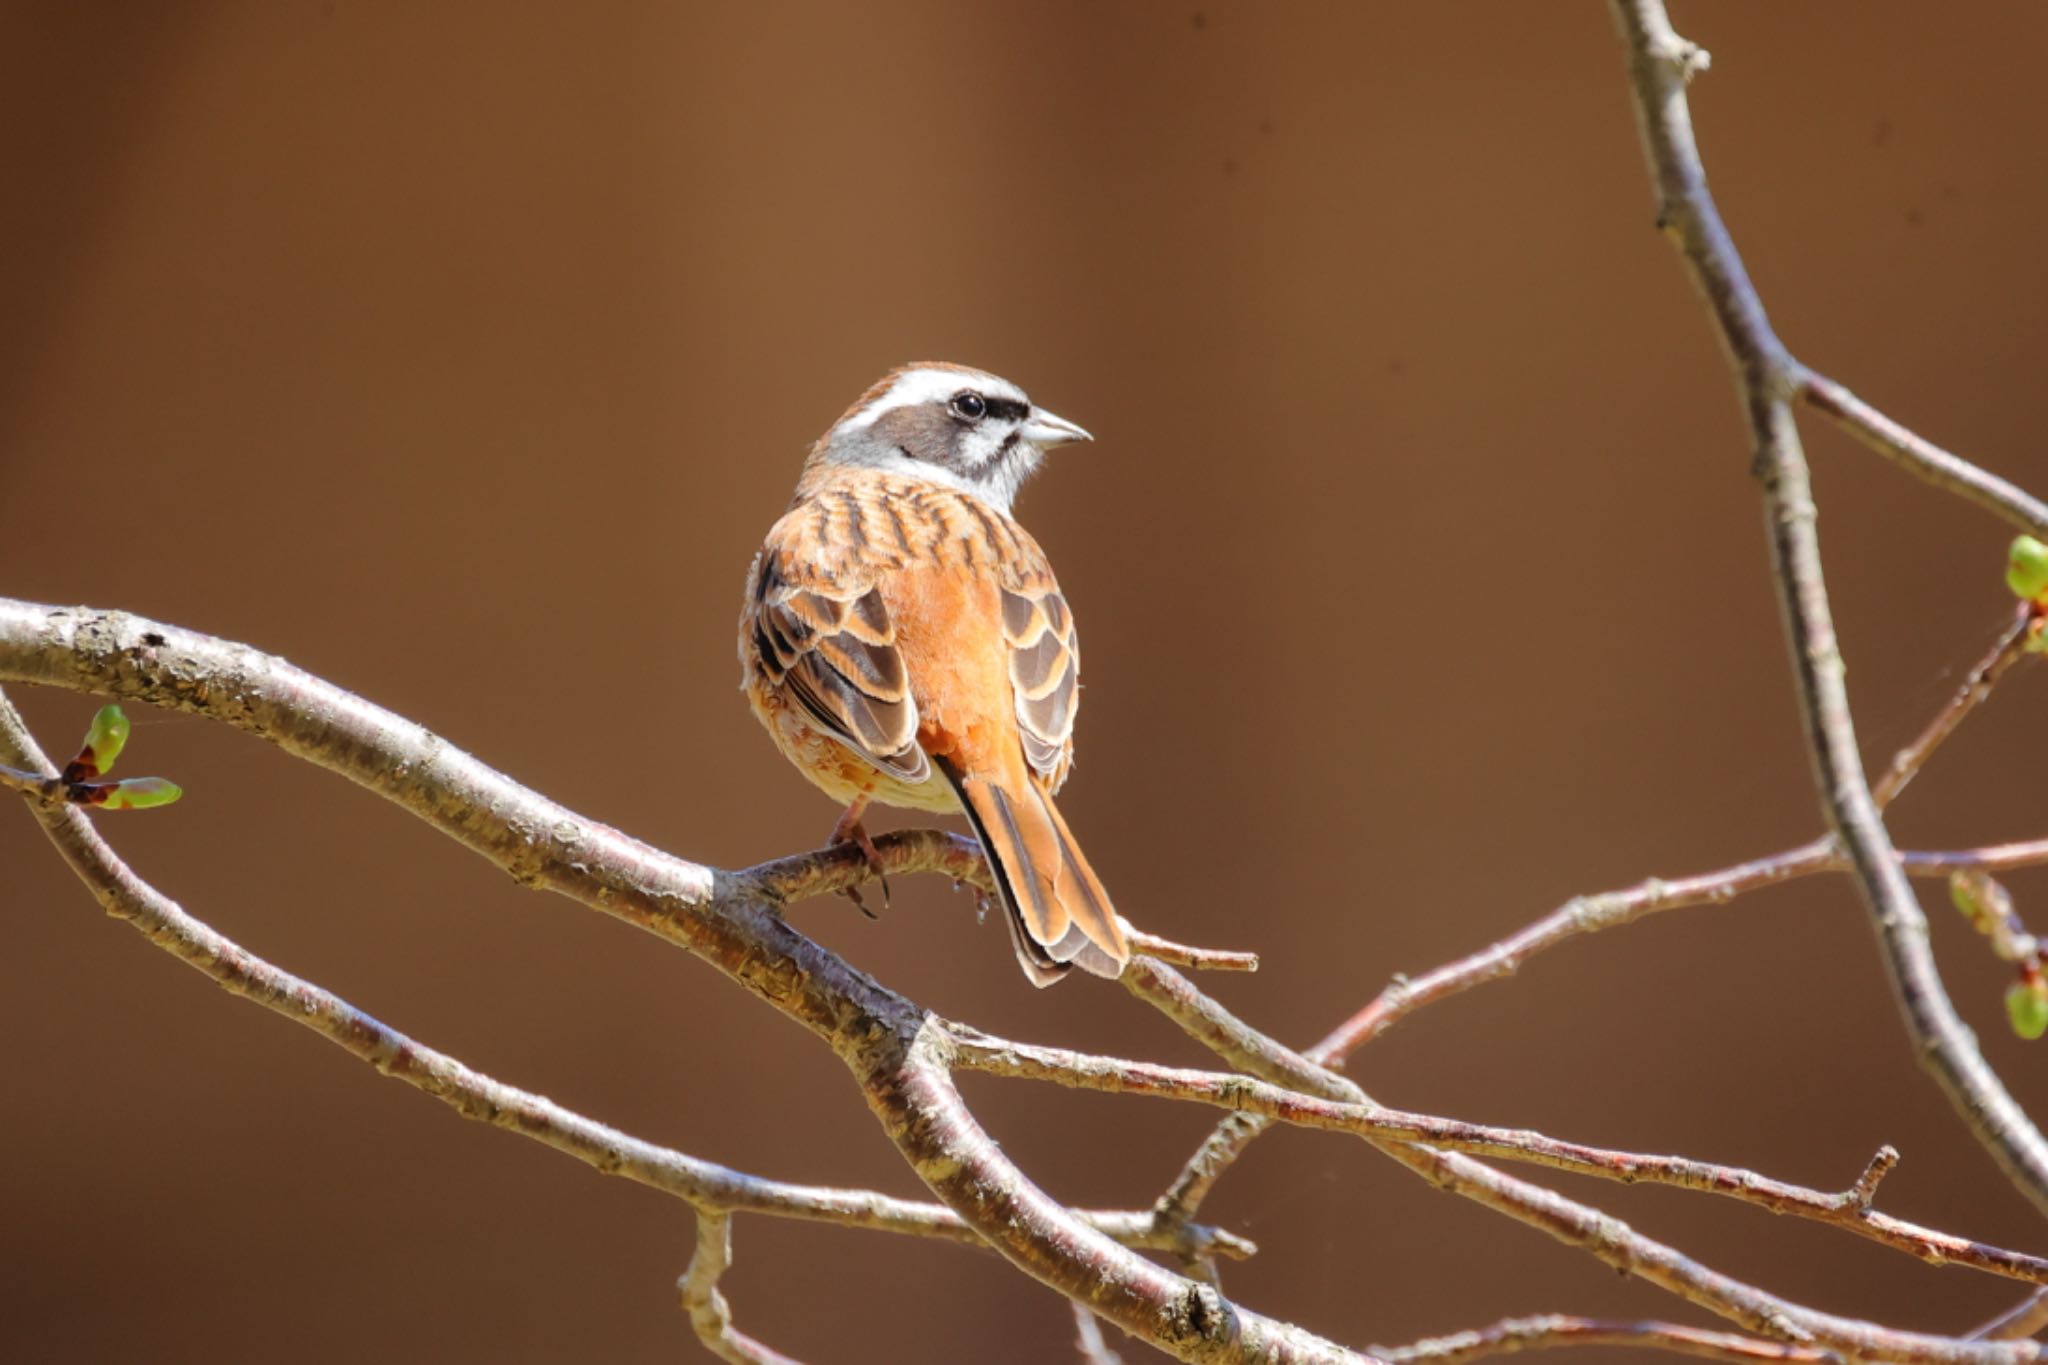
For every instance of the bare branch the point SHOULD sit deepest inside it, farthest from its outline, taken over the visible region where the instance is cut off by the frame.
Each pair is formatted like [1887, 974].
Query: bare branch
[709, 1313]
[1532, 1334]
[2009, 649]
[1660, 63]
[1915, 453]
[898, 1057]
[726, 919]
[1616, 1244]
[1591, 914]
[1229, 1037]
[47, 791]
[1184, 955]
[1606, 910]
[1088, 1339]
[1857, 1198]
[845, 867]
[1848, 1209]
[842, 867]
[704, 1184]
[2023, 1319]
[903, 1058]
[1990, 858]
[921, 1109]
[1184, 1195]
[1581, 915]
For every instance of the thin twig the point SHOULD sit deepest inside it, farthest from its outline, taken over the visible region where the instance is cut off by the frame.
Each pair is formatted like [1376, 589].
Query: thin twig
[2010, 648]
[1606, 910]
[1183, 1197]
[1990, 858]
[1186, 955]
[47, 790]
[1224, 1034]
[1088, 1339]
[1916, 453]
[1539, 1333]
[1660, 64]
[701, 1298]
[2023, 1319]
[1848, 1209]
[1576, 917]
[1611, 909]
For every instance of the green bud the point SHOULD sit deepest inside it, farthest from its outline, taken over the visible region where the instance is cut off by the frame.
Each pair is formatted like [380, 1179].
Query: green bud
[1962, 890]
[1984, 899]
[2026, 568]
[2026, 1004]
[107, 737]
[141, 793]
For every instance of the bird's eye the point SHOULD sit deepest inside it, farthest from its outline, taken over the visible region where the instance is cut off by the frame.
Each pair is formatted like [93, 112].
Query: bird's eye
[972, 406]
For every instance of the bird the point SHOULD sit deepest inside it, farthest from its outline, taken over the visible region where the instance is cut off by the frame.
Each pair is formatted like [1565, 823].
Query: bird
[904, 641]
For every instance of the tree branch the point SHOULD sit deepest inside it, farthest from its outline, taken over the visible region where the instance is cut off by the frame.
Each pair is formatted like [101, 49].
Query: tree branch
[897, 1053]
[903, 1058]
[2009, 649]
[1591, 914]
[727, 919]
[706, 1185]
[1616, 1244]
[2023, 1319]
[1848, 1209]
[1918, 455]
[1767, 376]
[709, 1313]
[1531, 1334]
[1088, 1339]
[1579, 916]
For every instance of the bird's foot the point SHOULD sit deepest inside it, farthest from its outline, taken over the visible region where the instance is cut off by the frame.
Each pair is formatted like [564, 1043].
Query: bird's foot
[850, 830]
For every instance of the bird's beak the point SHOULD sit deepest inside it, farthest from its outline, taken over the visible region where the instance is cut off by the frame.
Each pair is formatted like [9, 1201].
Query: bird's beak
[1044, 429]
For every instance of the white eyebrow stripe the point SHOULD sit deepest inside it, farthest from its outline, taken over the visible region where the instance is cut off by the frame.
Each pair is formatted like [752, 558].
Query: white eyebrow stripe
[914, 387]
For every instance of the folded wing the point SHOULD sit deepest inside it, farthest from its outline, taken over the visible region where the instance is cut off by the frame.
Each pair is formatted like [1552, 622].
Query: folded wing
[833, 646]
[1045, 676]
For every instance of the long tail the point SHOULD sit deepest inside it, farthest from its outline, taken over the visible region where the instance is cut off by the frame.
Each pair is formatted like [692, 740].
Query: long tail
[1059, 915]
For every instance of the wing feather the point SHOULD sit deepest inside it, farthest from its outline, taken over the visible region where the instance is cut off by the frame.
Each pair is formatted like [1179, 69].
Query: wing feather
[832, 645]
[1045, 671]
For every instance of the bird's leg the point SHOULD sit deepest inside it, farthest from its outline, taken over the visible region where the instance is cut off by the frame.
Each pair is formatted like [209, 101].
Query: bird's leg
[849, 830]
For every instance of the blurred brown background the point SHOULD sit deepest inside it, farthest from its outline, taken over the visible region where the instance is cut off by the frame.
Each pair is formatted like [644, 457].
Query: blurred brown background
[462, 353]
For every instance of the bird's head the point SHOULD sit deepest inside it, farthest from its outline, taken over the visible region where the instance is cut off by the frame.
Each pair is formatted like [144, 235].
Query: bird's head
[948, 424]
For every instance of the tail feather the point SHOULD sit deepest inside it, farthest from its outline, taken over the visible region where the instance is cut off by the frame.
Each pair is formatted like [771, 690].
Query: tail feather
[1103, 949]
[1059, 915]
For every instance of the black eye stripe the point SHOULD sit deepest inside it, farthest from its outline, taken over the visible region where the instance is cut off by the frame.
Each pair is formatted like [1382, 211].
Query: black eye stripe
[1008, 409]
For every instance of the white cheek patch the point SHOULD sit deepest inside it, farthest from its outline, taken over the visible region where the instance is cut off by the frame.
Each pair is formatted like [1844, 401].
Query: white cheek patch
[915, 387]
[983, 444]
